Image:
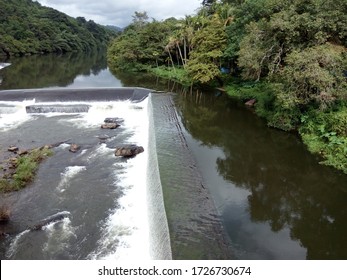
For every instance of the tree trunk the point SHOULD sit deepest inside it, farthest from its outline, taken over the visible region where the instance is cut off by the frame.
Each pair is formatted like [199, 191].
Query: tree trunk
[180, 52]
[173, 65]
[185, 50]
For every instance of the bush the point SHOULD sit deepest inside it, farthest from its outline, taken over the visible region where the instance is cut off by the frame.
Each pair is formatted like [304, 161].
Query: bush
[325, 133]
[175, 74]
[267, 106]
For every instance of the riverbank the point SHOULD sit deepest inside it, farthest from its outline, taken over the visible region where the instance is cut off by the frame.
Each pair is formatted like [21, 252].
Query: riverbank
[322, 131]
[19, 168]
[176, 74]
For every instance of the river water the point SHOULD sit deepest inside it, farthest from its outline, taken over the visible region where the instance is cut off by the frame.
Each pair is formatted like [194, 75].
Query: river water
[219, 183]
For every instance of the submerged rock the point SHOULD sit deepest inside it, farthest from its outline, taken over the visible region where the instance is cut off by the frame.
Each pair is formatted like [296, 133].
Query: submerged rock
[51, 219]
[103, 137]
[74, 148]
[128, 151]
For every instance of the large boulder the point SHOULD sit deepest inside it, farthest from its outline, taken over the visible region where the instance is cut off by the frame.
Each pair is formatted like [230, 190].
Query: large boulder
[128, 151]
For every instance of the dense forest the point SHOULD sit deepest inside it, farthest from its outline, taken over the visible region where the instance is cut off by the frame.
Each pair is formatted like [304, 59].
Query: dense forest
[26, 27]
[287, 55]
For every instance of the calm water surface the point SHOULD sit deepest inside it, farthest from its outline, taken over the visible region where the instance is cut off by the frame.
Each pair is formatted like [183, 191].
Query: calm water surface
[274, 199]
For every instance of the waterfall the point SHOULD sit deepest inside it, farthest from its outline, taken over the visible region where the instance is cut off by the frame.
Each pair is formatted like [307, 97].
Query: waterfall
[13, 113]
[160, 237]
[57, 108]
[8, 109]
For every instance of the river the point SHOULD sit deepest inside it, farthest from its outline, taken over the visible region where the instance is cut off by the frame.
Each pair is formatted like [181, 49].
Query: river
[231, 186]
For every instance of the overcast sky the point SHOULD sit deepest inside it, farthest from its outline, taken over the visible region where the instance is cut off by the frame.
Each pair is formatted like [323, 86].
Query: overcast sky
[119, 12]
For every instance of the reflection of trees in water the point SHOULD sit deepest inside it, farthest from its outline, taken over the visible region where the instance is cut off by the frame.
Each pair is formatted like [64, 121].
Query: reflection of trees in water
[52, 69]
[288, 187]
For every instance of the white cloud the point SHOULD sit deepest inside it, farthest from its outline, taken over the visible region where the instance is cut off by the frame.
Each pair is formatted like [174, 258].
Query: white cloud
[119, 12]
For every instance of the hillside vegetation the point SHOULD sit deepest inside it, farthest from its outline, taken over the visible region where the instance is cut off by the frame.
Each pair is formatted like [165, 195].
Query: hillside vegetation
[26, 27]
[288, 55]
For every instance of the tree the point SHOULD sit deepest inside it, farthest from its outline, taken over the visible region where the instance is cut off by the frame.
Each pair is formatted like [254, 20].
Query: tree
[314, 75]
[141, 46]
[299, 25]
[26, 27]
[140, 18]
[208, 46]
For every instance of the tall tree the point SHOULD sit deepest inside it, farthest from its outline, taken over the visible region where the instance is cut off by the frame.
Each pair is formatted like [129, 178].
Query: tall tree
[140, 18]
[208, 47]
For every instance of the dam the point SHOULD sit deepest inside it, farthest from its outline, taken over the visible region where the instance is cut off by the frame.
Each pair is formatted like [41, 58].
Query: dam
[110, 207]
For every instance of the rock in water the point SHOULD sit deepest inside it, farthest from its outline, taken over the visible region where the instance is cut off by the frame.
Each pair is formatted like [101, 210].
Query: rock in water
[51, 219]
[13, 149]
[128, 151]
[109, 125]
[251, 102]
[112, 120]
[74, 148]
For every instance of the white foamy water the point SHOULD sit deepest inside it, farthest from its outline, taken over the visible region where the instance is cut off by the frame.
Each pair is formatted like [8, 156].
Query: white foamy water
[126, 231]
[102, 150]
[67, 175]
[98, 111]
[15, 244]
[13, 114]
[59, 236]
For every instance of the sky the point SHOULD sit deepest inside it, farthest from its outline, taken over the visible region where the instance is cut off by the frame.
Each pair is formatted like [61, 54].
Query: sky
[119, 12]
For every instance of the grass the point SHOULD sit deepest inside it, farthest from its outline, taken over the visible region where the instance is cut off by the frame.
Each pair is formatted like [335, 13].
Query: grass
[25, 170]
[176, 74]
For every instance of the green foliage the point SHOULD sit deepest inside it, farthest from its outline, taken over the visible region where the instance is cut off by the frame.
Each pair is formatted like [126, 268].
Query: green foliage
[313, 75]
[140, 46]
[175, 74]
[208, 45]
[196, 44]
[296, 25]
[24, 172]
[325, 133]
[243, 14]
[266, 105]
[26, 27]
